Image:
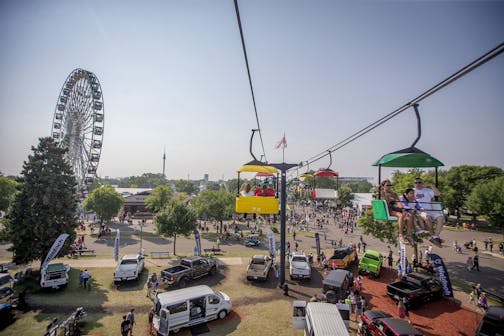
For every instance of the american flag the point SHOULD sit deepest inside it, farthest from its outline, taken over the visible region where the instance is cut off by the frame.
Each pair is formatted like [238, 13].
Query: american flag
[282, 143]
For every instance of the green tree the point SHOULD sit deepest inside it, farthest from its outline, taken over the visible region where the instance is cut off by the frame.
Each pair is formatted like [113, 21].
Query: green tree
[345, 196]
[159, 199]
[7, 190]
[175, 219]
[232, 185]
[146, 180]
[185, 186]
[360, 186]
[326, 182]
[402, 180]
[213, 186]
[217, 205]
[487, 199]
[45, 203]
[386, 232]
[105, 202]
[460, 182]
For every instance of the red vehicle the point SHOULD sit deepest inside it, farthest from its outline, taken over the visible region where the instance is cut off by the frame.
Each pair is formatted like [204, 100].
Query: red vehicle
[380, 323]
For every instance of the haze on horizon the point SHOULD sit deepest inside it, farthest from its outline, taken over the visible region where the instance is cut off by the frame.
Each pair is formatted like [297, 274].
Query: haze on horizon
[173, 78]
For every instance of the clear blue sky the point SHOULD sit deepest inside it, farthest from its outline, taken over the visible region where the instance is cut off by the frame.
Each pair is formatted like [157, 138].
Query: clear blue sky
[173, 76]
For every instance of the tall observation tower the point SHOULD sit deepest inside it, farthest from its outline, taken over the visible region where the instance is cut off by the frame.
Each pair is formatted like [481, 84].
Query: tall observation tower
[164, 162]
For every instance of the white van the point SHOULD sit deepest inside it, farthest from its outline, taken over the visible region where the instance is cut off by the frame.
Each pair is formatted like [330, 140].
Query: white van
[318, 319]
[187, 307]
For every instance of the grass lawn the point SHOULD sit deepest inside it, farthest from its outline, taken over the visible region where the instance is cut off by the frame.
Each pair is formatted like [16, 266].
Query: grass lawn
[257, 308]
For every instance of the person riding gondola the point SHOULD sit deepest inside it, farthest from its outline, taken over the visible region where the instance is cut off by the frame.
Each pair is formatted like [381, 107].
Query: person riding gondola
[395, 207]
[245, 190]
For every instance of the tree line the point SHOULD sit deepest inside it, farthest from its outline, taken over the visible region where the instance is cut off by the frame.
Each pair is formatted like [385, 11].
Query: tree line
[41, 203]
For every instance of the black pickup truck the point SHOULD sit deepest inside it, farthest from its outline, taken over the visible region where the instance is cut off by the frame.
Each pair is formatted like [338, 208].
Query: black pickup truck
[417, 288]
[189, 269]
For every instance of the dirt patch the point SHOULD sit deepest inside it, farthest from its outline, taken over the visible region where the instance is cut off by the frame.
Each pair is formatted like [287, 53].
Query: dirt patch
[442, 317]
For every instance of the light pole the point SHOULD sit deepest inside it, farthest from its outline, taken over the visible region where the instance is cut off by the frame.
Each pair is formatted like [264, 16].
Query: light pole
[283, 167]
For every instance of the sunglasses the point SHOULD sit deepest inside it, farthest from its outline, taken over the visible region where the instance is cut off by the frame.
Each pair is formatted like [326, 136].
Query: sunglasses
[418, 182]
[387, 185]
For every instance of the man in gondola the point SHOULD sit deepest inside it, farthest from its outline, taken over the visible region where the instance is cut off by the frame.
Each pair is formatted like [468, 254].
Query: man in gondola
[424, 193]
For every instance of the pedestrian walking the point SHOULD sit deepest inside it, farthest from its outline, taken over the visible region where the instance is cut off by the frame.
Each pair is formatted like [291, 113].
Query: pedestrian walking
[401, 309]
[125, 326]
[476, 263]
[469, 263]
[483, 302]
[406, 312]
[131, 318]
[85, 277]
[151, 319]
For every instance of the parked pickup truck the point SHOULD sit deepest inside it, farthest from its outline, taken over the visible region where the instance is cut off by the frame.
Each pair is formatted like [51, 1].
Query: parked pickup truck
[417, 288]
[299, 266]
[54, 276]
[371, 263]
[130, 268]
[188, 269]
[259, 268]
[342, 258]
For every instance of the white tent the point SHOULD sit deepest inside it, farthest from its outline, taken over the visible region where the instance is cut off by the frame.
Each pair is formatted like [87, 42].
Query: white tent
[362, 201]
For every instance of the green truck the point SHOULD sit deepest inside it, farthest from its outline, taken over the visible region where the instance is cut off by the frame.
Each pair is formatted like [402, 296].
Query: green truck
[371, 263]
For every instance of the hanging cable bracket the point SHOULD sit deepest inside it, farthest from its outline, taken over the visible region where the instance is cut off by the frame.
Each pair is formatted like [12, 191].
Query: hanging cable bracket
[251, 139]
[419, 125]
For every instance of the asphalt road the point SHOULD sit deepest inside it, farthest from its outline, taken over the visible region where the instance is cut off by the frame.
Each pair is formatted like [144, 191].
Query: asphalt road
[491, 264]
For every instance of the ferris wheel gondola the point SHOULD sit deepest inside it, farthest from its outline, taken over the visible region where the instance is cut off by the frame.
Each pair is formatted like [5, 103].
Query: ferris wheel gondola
[78, 125]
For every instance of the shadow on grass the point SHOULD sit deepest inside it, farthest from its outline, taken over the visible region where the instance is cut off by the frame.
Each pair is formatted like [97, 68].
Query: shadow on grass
[131, 285]
[65, 300]
[209, 280]
[226, 326]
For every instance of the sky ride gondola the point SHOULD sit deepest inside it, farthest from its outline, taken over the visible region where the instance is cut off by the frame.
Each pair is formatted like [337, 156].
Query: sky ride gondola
[325, 193]
[410, 157]
[260, 202]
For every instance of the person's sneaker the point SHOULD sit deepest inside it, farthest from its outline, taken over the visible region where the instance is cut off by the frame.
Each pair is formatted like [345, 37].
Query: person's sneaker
[421, 231]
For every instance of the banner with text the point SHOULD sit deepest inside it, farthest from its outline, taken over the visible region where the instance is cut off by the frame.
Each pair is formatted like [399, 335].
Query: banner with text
[197, 238]
[442, 274]
[116, 245]
[55, 248]
[271, 241]
[402, 257]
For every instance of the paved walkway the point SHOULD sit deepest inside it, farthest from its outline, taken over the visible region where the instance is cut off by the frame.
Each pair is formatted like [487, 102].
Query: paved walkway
[491, 264]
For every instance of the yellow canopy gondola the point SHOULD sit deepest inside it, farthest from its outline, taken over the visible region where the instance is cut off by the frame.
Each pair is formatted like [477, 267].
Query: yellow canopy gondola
[261, 205]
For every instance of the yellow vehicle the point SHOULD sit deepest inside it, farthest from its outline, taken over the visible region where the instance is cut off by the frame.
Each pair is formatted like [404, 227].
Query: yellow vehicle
[343, 258]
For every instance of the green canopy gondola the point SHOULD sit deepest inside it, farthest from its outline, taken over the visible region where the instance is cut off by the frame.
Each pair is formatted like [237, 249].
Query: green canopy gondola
[410, 157]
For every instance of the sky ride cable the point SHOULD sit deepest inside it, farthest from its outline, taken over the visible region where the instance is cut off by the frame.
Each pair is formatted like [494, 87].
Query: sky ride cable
[452, 78]
[249, 77]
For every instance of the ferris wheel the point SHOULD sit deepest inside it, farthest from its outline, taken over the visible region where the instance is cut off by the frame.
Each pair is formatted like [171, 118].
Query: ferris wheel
[78, 125]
